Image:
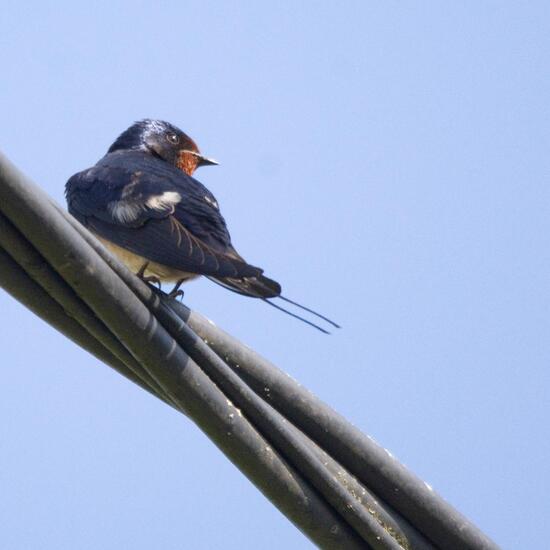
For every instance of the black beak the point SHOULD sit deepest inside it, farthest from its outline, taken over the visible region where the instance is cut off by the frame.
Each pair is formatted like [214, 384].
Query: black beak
[203, 161]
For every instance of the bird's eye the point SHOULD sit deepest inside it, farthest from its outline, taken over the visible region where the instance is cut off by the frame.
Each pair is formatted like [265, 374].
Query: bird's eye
[173, 138]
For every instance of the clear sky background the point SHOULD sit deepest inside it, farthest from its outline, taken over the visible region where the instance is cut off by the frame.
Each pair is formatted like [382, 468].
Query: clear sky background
[388, 163]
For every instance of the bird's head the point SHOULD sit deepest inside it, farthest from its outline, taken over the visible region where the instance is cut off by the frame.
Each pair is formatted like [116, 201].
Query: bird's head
[164, 141]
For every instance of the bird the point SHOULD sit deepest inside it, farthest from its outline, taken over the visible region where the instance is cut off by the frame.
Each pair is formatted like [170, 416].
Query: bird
[143, 204]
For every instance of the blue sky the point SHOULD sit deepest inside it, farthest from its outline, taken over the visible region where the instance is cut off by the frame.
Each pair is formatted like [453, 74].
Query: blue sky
[388, 163]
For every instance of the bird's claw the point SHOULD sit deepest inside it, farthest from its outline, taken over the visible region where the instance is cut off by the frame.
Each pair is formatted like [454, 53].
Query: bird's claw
[151, 279]
[141, 272]
[176, 293]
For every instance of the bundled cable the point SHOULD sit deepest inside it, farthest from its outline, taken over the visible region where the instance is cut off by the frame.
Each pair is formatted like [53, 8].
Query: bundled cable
[335, 484]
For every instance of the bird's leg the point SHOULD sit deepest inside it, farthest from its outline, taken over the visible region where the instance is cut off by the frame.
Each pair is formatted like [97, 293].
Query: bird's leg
[152, 279]
[141, 272]
[175, 292]
[149, 278]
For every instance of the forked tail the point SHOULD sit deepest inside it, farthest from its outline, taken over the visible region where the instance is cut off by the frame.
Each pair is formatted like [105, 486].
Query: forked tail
[267, 289]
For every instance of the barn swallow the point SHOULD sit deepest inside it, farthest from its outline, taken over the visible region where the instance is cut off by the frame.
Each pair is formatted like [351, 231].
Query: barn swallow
[141, 201]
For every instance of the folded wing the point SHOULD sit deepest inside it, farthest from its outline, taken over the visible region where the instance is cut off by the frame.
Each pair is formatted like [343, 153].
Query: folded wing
[158, 212]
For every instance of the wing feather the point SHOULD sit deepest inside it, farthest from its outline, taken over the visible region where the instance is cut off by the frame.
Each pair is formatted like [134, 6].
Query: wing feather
[158, 212]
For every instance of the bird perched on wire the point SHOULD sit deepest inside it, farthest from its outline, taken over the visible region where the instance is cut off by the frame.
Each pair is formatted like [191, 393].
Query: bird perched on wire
[143, 204]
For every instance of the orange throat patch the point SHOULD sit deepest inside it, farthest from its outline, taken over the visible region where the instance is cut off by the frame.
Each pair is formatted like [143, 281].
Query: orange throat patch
[187, 162]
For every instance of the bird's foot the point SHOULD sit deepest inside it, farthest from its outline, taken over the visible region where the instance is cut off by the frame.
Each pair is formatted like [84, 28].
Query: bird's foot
[141, 272]
[176, 292]
[151, 279]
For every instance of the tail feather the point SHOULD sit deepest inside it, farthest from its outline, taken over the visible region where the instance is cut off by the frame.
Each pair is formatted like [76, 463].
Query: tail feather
[335, 325]
[264, 288]
[306, 321]
[255, 287]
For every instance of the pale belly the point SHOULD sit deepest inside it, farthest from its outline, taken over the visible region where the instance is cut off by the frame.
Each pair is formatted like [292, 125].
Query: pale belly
[134, 263]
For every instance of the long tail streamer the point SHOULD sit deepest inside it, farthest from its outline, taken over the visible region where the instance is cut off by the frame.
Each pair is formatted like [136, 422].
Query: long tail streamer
[335, 325]
[267, 301]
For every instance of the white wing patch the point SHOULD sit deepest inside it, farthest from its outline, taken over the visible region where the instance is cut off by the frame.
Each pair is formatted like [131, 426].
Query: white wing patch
[165, 201]
[128, 211]
[124, 211]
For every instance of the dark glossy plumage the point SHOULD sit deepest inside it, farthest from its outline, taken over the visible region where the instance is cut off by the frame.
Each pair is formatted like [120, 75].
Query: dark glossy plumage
[143, 203]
